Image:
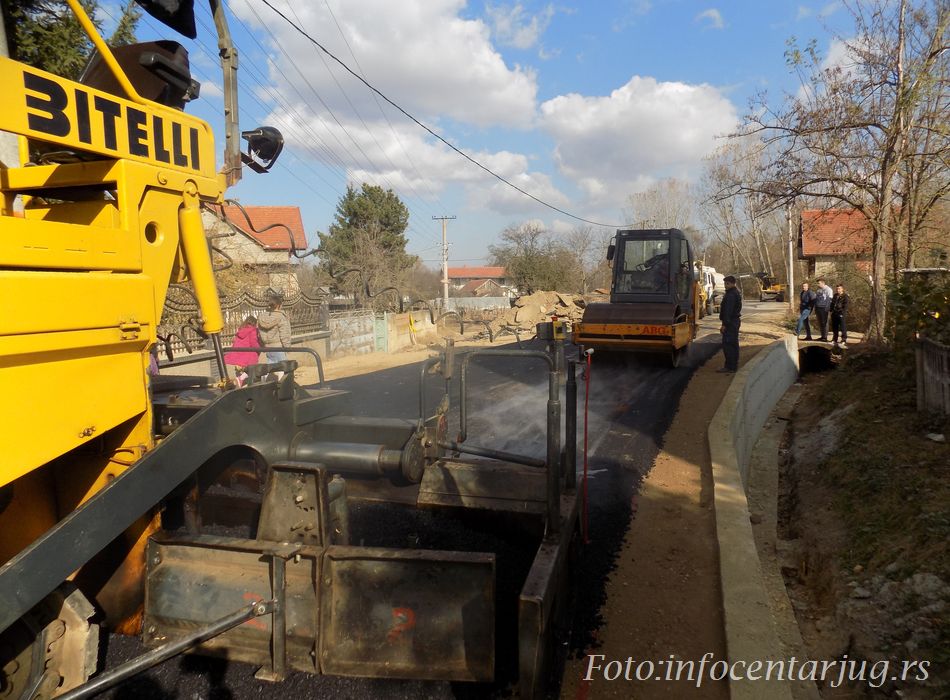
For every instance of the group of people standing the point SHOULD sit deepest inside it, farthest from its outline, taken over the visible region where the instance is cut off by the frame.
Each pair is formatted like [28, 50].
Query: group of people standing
[824, 304]
[270, 329]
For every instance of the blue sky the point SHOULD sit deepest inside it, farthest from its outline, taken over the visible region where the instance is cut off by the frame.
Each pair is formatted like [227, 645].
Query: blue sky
[580, 103]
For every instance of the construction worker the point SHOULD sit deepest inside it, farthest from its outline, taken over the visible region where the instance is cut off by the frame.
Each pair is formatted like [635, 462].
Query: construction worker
[730, 315]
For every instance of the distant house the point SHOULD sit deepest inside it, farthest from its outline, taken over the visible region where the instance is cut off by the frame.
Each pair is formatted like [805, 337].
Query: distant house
[481, 288]
[459, 276]
[262, 247]
[828, 238]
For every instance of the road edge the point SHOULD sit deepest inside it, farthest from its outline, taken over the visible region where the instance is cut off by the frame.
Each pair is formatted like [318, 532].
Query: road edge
[750, 628]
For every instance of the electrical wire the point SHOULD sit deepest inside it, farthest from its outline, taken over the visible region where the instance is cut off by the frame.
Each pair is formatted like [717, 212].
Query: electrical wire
[369, 161]
[349, 48]
[426, 128]
[333, 160]
[359, 116]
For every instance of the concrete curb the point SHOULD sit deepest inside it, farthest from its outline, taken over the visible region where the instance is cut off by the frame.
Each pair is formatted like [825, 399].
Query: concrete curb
[750, 628]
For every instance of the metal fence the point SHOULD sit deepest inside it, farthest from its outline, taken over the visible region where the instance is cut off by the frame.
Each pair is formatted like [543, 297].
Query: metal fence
[180, 316]
[933, 376]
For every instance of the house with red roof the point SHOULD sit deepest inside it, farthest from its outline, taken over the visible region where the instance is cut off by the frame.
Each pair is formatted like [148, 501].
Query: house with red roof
[260, 240]
[830, 238]
[462, 279]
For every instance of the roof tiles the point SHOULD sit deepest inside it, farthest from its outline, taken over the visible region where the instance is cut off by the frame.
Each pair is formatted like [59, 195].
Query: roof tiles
[835, 232]
[482, 273]
[262, 218]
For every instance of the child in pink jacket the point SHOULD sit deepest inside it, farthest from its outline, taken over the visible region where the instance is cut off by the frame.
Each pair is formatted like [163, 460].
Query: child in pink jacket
[246, 337]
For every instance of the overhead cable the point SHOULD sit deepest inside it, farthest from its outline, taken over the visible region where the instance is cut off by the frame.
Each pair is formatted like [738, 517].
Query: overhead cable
[426, 128]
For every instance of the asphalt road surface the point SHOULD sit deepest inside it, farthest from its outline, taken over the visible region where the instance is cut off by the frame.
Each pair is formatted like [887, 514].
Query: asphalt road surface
[631, 403]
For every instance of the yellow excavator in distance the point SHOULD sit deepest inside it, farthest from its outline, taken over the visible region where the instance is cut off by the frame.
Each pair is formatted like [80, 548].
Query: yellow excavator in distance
[771, 289]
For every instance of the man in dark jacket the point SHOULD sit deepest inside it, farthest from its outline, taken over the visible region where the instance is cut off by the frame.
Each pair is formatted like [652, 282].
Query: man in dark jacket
[730, 315]
[839, 311]
[806, 302]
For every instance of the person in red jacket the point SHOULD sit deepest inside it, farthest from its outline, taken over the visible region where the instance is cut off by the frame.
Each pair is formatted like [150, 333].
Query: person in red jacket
[246, 337]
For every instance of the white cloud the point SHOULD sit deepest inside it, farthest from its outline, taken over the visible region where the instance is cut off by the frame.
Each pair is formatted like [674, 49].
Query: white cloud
[838, 56]
[804, 12]
[210, 88]
[643, 131]
[511, 26]
[714, 17]
[421, 52]
[503, 199]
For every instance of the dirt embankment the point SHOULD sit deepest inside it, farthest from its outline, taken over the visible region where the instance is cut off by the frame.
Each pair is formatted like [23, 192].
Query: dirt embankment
[865, 512]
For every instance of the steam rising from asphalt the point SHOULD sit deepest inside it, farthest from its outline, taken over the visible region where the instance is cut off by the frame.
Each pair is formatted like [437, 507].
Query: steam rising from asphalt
[511, 415]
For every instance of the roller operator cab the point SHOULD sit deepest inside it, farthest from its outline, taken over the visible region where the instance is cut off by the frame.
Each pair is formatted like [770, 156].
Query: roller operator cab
[654, 296]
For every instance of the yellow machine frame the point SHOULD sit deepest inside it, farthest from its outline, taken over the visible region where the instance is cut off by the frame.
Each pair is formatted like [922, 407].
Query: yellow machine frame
[84, 270]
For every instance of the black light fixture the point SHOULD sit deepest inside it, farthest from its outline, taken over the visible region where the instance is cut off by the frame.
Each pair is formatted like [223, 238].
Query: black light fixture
[264, 144]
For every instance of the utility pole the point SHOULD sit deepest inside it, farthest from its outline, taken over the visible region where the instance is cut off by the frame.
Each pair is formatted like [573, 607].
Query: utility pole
[445, 261]
[791, 260]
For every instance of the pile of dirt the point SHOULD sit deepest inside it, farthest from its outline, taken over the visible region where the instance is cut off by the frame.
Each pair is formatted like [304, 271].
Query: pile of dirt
[532, 309]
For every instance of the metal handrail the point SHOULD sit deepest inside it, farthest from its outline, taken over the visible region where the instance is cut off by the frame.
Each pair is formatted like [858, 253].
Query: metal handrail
[204, 358]
[306, 351]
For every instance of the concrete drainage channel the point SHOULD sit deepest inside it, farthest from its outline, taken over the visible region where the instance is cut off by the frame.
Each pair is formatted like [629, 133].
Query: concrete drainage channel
[750, 627]
[818, 357]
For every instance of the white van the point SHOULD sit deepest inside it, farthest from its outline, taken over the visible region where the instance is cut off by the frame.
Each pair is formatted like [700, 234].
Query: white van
[715, 286]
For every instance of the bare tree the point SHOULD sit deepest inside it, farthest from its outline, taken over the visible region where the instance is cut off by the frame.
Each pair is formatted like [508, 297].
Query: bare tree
[856, 129]
[535, 259]
[668, 204]
[745, 222]
[588, 245]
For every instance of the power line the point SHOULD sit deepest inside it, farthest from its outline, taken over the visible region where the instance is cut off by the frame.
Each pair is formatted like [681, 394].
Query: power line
[370, 132]
[369, 161]
[426, 128]
[333, 159]
[423, 180]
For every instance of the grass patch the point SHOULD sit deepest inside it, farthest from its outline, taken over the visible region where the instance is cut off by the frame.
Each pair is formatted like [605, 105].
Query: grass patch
[891, 483]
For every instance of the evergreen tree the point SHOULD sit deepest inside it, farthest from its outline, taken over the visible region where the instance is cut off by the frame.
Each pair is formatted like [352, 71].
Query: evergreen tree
[368, 234]
[45, 33]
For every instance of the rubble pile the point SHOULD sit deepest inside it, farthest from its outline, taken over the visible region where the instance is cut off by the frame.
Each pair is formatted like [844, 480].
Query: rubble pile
[531, 309]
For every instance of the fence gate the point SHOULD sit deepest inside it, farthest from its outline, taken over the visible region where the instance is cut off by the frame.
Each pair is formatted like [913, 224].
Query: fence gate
[933, 376]
[381, 329]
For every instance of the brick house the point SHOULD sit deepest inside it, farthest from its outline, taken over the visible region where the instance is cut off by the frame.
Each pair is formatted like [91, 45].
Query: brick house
[831, 238]
[261, 249]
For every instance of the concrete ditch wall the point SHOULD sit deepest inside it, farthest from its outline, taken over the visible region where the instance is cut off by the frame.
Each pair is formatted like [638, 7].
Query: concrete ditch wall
[769, 375]
[750, 628]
